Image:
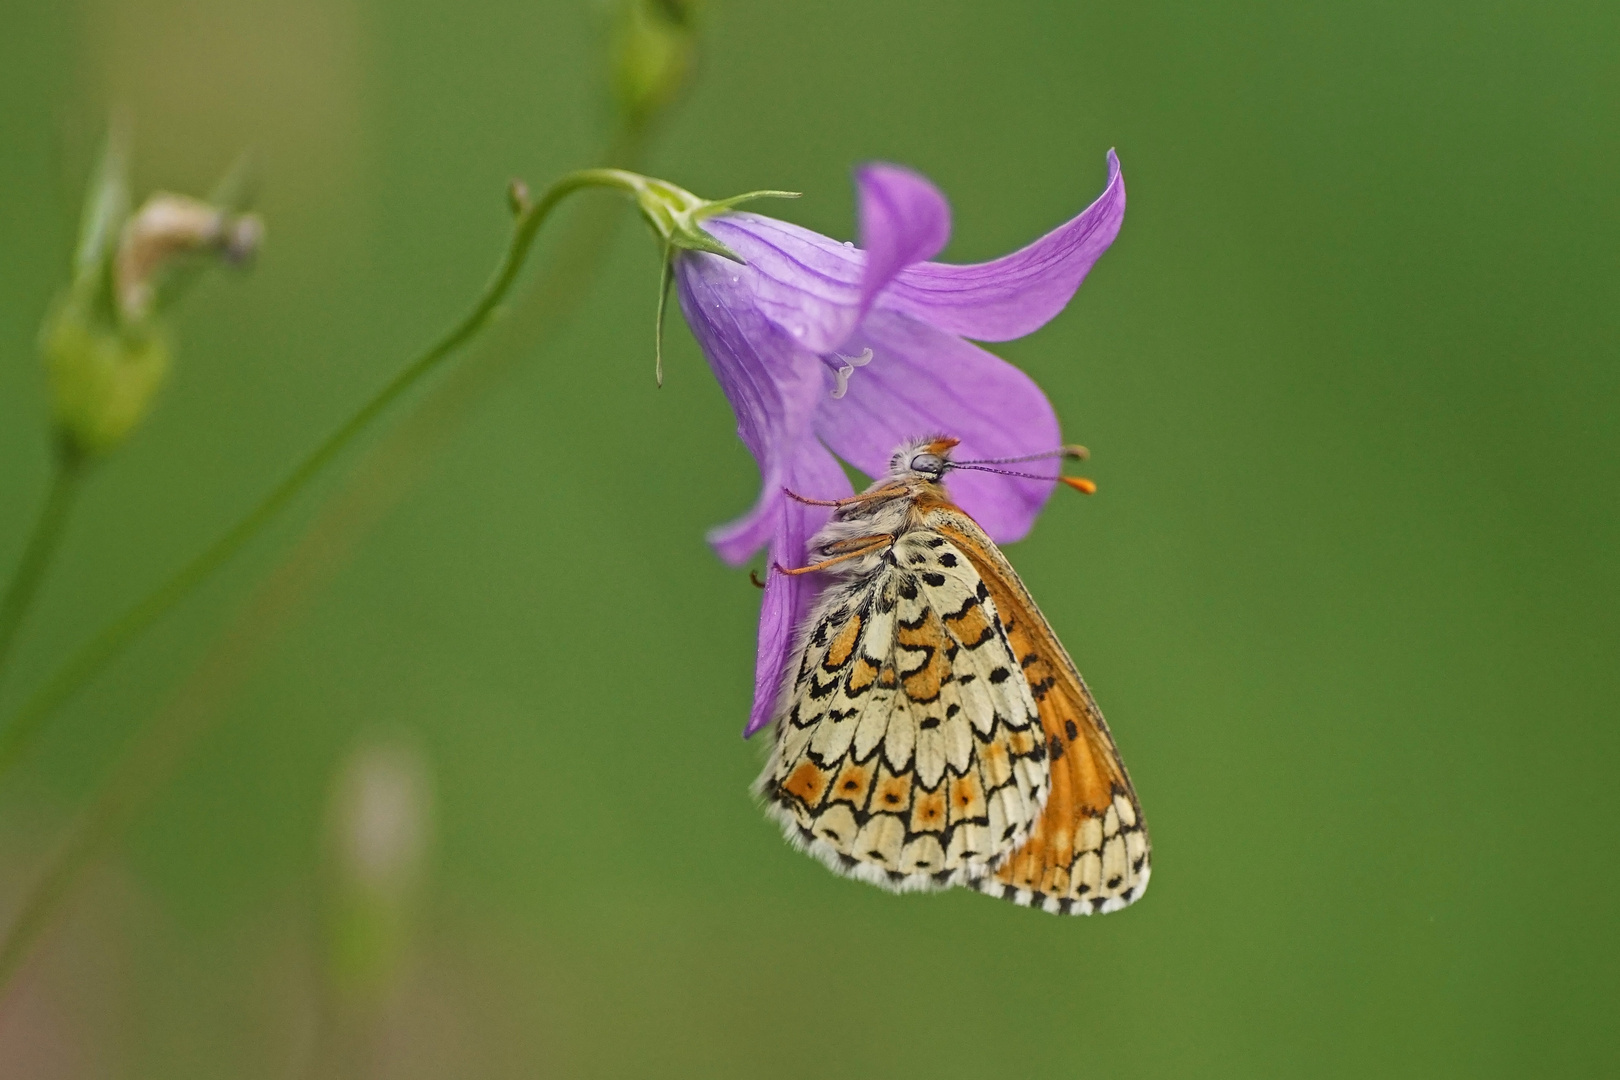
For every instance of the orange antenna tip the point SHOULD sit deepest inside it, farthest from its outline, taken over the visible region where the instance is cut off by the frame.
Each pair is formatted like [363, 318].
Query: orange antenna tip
[1080, 484]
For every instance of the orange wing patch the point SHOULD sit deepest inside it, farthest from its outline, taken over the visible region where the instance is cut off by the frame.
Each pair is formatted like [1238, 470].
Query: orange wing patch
[843, 645]
[1089, 851]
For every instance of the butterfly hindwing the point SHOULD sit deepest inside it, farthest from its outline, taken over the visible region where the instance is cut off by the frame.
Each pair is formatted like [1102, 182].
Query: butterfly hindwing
[1089, 851]
[909, 752]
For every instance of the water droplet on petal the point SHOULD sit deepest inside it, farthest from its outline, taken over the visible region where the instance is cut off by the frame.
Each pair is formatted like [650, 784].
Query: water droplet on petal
[849, 243]
[735, 279]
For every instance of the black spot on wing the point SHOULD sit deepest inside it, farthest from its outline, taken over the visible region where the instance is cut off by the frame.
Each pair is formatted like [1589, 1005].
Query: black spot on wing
[925, 649]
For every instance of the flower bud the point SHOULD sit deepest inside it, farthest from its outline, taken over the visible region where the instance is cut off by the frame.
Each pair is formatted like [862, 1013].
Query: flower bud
[102, 375]
[653, 47]
[166, 228]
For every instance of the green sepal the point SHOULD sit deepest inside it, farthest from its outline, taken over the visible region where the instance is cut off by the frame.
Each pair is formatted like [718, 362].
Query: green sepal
[674, 213]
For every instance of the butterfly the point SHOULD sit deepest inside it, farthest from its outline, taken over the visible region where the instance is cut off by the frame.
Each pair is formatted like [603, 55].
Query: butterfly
[934, 732]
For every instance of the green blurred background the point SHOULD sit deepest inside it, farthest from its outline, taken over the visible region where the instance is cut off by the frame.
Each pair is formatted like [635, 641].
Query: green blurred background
[1348, 594]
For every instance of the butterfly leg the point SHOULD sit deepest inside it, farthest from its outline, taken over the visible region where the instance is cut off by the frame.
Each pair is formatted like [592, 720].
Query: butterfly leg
[867, 545]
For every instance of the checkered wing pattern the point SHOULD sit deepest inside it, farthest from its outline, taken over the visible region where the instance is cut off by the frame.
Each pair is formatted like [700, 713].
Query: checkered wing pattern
[910, 751]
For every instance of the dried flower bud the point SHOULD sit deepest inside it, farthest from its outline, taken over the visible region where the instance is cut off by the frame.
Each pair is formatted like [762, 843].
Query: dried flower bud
[381, 825]
[167, 227]
[382, 818]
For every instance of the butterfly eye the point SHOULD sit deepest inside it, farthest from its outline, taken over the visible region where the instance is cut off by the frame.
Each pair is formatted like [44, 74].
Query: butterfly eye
[928, 463]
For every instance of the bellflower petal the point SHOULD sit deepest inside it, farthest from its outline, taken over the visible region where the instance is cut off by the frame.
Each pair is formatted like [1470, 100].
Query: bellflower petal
[1016, 294]
[804, 282]
[922, 380]
[904, 219]
[788, 598]
[773, 386]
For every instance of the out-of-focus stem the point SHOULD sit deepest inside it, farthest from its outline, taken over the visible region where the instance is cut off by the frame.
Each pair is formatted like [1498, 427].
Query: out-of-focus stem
[381, 479]
[66, 471]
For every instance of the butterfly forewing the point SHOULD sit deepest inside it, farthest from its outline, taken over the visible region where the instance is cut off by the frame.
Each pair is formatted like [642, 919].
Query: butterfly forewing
[910, 751]
[1089, 851]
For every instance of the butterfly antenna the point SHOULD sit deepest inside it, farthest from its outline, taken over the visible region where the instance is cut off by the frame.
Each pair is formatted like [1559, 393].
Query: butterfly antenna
[1075, 451]
[1079, 483]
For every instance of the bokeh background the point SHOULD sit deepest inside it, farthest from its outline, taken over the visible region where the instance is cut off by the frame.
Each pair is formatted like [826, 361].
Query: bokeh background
[1348, 593]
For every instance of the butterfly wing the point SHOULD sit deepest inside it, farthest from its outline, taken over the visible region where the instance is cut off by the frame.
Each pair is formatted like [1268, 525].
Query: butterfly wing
[1089, 852]
[909, 751]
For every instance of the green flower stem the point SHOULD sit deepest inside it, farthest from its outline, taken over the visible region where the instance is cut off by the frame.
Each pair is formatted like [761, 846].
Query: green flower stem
[17, 736]
[67, 470]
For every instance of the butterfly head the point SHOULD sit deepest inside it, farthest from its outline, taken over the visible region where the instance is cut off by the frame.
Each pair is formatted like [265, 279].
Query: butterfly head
[923, 459]
[927, 460]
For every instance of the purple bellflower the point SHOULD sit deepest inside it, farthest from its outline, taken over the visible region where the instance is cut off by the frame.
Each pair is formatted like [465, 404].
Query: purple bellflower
[827, 350]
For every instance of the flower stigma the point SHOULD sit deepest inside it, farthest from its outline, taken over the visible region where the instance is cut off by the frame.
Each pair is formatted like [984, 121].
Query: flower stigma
[842, 372]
